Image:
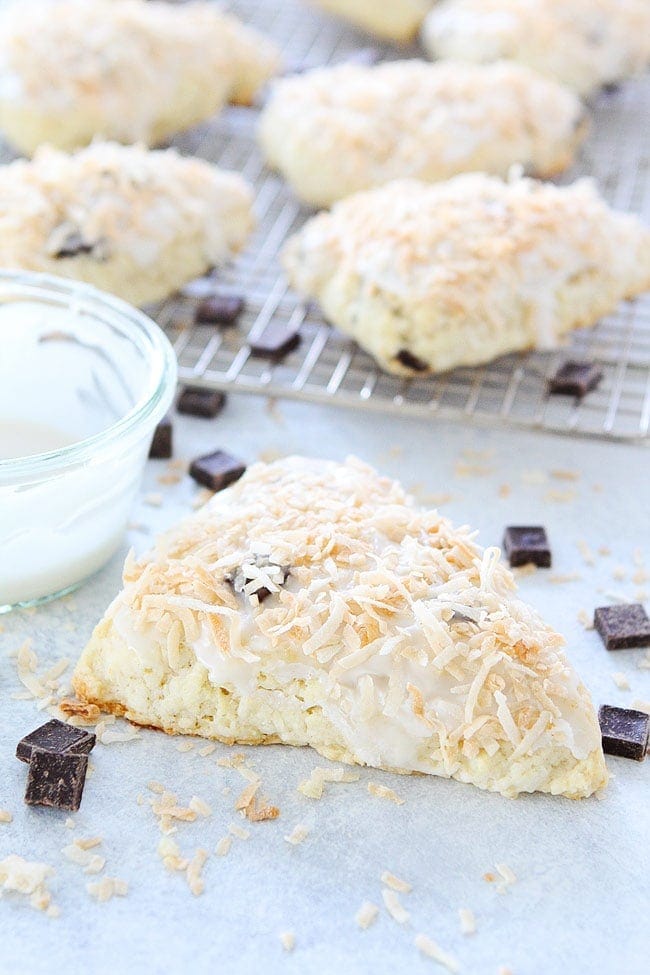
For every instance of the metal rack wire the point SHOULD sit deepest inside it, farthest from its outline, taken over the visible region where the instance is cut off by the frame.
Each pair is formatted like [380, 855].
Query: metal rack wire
[326, 366]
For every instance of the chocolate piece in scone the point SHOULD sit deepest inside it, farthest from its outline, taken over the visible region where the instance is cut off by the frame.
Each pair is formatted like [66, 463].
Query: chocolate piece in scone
[575, 379]
[56, 779]
[623, 627]
[275, 341]
[219, 310]
[217, 470]
[624, 731]
[524, 545]
[207, 403]
[55, 736]
[162, 442]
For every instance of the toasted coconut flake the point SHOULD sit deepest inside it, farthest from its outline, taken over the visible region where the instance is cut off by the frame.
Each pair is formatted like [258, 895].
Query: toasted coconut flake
[82, 714]
[432, 950]
[298, 834]
[239, 831]
[223, 846]
[193, 873]
[6, 816]
[200, 807]
[154, 500]
[288, 940]
[313, 786]
[395, 883]
[184, 746]
[621, 681]
[467, 921]
[106, 888]
[644, 662]
[383, 792]
[156, 787]
[394, 907]
[87, 842]
[27, 877]
[366, 915]
[114, 736]
[207, 750]
[559, 578]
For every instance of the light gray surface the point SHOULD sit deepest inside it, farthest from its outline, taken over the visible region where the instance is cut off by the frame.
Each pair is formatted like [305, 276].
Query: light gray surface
[580, 904]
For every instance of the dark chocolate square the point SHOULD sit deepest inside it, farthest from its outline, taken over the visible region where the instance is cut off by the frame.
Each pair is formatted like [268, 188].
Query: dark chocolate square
[275, 341]
[624, 626]
[525, 544]
[410, 361]
[161, 444]
[624, 731]
[55, 736]
[56, 779]
[217, 470]
[575, 379]
[206, 403]
[219, 310]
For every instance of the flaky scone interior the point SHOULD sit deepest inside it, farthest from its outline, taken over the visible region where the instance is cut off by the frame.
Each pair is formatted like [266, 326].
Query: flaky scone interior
[313, 603]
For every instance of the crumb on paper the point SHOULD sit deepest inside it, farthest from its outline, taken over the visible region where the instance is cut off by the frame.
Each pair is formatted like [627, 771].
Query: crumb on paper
[201, 497]
[586, 619]
[621, 681]
[288, 940]
[504, 491]
[223, 846]
[521, 571]
[313, 786]
[432, 950]
[366, 915]
[184, 746]
[235, 830]
[27, 877]
[194, 871]
[619, 572]
[390, 880]
[559, 497]
[561, 579]
[200, 807]
[207, 750]
[394, 906]
[534, 476]
[247, 804]
[506, 877]
[156, 787]
[170, 854]
[467, 921]
[273, 409]
[298, 834]
[565, 475]
[464, 468]
[6, 816]
[106, 888]
[383, 792]
[154, 500]
[69, 823]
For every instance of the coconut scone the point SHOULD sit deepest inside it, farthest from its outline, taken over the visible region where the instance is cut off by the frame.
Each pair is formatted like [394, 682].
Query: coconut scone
[335, 131]
[121, 69]
[428, 277]
[134, 222]
[392, 20]
[313, 603]
[583, 43]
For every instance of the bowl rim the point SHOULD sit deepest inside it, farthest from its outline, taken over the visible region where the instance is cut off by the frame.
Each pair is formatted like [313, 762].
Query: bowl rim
[150, 406]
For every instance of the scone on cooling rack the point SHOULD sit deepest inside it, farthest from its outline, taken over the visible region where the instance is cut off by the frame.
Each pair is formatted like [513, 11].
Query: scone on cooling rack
[134, 222]
[392, 20]
[583, 43]
[312, 603]
[121, 69]
[427, 277]
[335, 131]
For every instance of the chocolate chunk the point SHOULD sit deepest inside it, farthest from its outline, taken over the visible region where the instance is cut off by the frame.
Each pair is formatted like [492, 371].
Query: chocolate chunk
[201, 402]
[56, 779]
[219, 310]
[254, 572]
[622, 627]
[527, 544]
[55, 736]
[275, 341]
[624, 731]
[411, 361]
[216, 471]
[161, 444]
[66, 240]
[575, 379]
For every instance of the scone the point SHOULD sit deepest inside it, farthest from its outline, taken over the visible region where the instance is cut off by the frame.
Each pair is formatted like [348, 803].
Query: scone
[392, 20]
[335, 131]
[429, 277]
[126, 70]
[583, 43]
[312, 603]
[133, 222]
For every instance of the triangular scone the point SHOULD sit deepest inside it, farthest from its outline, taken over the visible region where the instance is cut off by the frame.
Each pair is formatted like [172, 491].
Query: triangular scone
[336, 131]
[133, 222]
[429, 277]
[312, 603]
[583, 43]
[393, 20]
[122, 69]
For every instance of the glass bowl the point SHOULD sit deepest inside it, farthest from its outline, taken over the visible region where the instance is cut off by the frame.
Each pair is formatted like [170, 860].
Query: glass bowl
[84, 379]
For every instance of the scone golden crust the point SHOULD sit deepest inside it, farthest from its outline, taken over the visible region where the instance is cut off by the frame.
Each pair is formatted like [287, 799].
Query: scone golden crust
[133, 222]
[312, 603]
[392, 20]
[430, 277]
[583, 43]
[121, 69]
[335, 131]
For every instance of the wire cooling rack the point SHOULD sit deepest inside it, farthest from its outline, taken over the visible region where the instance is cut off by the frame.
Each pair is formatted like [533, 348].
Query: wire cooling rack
[328, 367]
